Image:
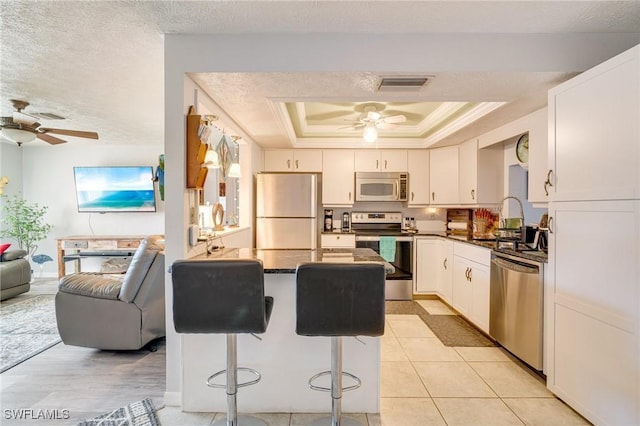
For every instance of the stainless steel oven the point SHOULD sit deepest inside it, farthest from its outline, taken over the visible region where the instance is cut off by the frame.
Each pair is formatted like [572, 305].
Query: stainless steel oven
[369, 227]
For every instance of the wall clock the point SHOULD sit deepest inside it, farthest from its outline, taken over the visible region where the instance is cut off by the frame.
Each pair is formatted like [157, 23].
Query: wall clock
[522, 149]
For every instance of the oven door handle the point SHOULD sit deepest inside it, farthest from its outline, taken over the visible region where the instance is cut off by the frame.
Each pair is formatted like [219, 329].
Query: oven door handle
[377, 238]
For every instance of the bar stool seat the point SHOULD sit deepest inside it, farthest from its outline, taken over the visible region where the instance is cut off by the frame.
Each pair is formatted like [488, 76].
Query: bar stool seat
[336, 300]
[222, 296]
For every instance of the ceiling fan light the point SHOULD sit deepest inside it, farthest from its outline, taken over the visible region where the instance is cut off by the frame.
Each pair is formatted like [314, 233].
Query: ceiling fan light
[18, 135]
[370, 133]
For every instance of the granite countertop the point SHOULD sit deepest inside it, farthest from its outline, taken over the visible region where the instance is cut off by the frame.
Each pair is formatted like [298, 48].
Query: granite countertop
[286, 261]
[534, 255]
[337, 232]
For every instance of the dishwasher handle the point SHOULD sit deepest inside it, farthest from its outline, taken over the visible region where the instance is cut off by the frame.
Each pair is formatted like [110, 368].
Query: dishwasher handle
[513, 266]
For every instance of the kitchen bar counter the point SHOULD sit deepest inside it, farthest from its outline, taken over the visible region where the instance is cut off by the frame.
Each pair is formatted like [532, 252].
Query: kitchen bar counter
[285, 360]
[286, 261]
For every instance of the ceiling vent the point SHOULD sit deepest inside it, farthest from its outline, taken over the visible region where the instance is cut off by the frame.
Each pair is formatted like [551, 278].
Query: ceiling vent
[403, 84]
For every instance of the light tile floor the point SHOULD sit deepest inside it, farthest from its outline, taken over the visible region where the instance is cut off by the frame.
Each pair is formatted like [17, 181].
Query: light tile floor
[426, 383]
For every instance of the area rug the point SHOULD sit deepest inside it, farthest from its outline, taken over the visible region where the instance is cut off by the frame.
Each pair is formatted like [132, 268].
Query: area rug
[452, 330]
[26, 329]
[141, 413]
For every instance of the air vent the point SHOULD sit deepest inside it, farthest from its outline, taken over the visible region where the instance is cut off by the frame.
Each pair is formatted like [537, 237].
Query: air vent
[403, 84]
[46, 116]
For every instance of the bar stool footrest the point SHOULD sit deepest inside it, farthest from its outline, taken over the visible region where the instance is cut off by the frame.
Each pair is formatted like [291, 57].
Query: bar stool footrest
[239, 385]
[324, 389]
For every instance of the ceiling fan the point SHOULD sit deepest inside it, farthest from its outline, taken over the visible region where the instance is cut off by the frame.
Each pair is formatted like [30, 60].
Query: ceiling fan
[23, 127]
[371, 120]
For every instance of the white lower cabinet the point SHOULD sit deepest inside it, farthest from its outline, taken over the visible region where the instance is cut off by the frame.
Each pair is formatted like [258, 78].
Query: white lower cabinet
[434, 267]
[471, 274]
[427, 268]
[457, 272]
[338, 241]
[592, 309]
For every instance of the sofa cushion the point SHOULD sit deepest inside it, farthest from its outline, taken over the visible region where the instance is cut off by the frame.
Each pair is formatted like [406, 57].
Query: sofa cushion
[90, 285]
[10, 255]
[4, 247]
[142, 259]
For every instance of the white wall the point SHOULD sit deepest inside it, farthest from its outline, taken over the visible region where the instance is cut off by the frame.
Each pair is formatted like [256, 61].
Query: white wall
[11, 166]
[48, 180]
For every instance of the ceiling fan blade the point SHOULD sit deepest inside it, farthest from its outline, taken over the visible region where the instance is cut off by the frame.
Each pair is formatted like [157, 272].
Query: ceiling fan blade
[385, 126]
[50, 139]
[353, 127]
[373, 116]
[395, 119]
[22, 118]
[328, 115]
[77, 133]
[409, 115]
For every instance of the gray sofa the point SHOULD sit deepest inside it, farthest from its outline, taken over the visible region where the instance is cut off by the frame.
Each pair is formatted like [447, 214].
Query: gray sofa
[115, 312]
[15, 273]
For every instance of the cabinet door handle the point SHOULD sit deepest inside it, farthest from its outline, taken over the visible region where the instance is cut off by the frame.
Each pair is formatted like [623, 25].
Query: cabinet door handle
[412, 194]
[473, 194]
[288, 164]
[349, 195]
[433, 196]
[466, 273]
[547, 183]
[377, 164]
[550, 224]
[444, 263]
[469, 274]
[385, 164]
[296, 164]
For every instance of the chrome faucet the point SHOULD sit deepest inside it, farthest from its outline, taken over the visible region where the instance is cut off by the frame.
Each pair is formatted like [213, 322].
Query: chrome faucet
[522, 226]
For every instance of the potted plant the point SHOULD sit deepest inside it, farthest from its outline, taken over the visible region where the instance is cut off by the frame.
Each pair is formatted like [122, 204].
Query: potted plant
[24, 222]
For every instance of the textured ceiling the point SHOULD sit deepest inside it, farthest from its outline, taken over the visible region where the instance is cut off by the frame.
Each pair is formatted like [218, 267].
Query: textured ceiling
[100, 63]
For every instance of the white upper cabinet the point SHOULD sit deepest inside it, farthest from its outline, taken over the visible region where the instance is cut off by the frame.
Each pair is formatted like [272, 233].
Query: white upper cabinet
[418, 168]
[594, 133]
[389, 160]
[481, 172]
[538, 164]
[443, 175]
[338, 177]
[287, 160]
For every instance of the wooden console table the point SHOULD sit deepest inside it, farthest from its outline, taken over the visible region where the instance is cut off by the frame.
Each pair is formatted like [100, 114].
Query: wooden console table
[76, 247]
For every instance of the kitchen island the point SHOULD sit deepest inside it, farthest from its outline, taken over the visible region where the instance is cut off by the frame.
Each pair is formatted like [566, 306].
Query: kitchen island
[285, 360]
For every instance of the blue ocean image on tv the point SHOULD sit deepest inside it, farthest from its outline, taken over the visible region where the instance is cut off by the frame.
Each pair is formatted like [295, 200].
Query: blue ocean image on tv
[115, 189]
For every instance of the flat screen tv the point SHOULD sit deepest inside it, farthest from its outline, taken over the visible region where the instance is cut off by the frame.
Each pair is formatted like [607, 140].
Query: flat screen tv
[115, 189]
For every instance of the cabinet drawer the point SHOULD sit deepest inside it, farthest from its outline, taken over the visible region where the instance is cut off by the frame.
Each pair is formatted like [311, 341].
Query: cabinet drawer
[477, 254]
[341, 240]
[128, 243]
[79, 244]
[103, 245]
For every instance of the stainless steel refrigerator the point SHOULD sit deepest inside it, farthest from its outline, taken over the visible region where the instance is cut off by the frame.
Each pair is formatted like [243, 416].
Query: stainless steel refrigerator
[287, 211]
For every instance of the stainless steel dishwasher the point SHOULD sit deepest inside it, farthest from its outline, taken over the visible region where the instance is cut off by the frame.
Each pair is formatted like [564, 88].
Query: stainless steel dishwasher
[516, 307]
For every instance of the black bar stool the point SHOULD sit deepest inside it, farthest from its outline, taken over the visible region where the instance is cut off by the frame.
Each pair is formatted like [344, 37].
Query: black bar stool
[335, 300]
[222, 296]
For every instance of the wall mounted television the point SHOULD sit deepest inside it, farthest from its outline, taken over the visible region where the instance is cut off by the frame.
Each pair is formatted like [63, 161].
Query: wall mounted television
[109, 189]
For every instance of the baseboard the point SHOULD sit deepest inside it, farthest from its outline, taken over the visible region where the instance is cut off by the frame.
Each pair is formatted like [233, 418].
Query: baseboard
[426, 297]
[173, 399]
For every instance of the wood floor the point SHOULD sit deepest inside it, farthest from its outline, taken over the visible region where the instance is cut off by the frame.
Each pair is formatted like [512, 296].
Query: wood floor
[84, 382]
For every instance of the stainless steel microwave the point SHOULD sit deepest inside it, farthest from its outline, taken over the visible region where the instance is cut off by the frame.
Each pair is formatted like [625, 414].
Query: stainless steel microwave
[374, 186]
